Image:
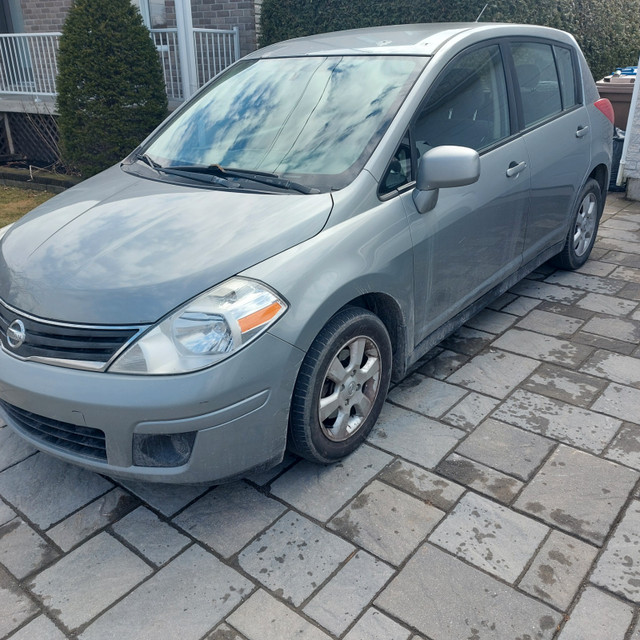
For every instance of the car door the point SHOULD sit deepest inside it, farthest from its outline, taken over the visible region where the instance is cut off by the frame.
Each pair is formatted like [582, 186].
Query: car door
[557, 135]
[473, 237]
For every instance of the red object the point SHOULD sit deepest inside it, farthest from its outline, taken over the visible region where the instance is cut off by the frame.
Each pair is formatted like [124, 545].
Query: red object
[606, 107]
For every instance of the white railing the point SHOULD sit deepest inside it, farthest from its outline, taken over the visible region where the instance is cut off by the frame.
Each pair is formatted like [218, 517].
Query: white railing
[215, 50]
[166, 41]
[29, 61]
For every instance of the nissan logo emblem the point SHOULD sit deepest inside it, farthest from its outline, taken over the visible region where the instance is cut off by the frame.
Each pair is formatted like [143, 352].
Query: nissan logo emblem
[16, 334]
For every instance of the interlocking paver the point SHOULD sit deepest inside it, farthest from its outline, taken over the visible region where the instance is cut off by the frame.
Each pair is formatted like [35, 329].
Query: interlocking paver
[294, 557]
[387, 522]
[443, 364]
[343, 599]
[521, 306]
[618, 568]
[490, 536]
[262, 617]
[423, 484]
[467, 341]
[558, 420]
[101, 512]
[607, 304]
[444, 598]
[620, 401]
[374, 625]
[613, 366]
[495, 374]
[13, 449]
[228, 517]
[157, 541]
[426, 395]
[16, 606]
[547, 291]
[89, 579]
[414, 437]
[491, 321]
[480, 478]
[585, 282]
[626, 330]
[22, 550]
[506, 448]
[319, 491]
[578, 493]
[39, 629]
[553, 324]
[557, 571]
[6, 513]
[195, 586]
[470, 411]
[596, 616]
[47, 490]
[565, 385]
[625, 447]
[168, 499]
[541, 347]
[225, 632]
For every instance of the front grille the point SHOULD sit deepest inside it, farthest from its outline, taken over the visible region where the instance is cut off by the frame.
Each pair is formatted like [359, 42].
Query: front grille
[68, 344]
[84, 441]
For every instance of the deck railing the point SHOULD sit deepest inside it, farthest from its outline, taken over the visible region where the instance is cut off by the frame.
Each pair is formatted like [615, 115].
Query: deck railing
[29, 61]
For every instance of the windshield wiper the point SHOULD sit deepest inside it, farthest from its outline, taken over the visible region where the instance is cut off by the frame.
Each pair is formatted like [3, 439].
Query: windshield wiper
[143, 157]
[261, 177]
[198, 175]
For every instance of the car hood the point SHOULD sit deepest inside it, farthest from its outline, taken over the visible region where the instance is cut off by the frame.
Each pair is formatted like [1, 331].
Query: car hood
[120, 249]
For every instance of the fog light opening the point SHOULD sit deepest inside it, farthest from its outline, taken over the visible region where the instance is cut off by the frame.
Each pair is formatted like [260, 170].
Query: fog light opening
[162, 450]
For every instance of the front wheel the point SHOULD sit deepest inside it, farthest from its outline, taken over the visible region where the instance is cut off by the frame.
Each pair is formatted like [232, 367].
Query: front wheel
[341, 386]
[583, 230]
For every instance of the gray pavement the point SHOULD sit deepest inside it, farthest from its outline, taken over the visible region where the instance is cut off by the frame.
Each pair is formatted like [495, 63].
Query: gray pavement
[497, 498]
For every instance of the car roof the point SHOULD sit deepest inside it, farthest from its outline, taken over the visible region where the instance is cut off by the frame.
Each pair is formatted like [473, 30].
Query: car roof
[407, 39]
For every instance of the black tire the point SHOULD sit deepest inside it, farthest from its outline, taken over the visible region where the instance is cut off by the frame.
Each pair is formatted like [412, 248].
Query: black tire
[583, 230]
[348, 367]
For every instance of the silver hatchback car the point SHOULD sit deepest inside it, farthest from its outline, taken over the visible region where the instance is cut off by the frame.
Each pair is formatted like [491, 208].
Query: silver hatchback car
[300, 233]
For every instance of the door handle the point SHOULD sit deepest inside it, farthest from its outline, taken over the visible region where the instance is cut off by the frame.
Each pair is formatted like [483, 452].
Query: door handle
[515, 168]
[582, 131]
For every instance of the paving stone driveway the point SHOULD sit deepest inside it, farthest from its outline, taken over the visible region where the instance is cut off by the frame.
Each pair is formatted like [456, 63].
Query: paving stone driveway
[498, 498]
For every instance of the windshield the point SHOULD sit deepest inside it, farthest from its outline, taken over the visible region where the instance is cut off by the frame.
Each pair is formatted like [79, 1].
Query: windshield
[315, 120]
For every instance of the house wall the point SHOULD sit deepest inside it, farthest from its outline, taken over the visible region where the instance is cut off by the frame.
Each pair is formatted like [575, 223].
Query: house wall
[49, 15]
[44, 15]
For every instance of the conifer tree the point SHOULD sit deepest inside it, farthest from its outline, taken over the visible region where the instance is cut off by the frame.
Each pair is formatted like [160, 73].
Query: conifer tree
[111, 90]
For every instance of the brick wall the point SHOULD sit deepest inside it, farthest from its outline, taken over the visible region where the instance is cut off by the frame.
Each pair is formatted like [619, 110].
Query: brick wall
[224, 14]
[44, 15]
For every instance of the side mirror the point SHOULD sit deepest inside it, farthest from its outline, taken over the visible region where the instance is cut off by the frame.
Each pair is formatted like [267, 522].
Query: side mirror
[442, 167]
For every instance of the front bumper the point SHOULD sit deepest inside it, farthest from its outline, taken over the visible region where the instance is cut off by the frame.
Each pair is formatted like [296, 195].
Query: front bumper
[238, 410]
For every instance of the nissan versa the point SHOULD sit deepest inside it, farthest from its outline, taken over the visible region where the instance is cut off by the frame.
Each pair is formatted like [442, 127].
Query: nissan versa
[305, 229]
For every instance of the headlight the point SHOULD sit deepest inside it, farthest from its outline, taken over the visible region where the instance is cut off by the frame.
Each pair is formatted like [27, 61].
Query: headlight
[208, 329]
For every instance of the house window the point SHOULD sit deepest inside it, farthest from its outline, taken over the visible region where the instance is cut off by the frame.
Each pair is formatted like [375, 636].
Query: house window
[154, 13]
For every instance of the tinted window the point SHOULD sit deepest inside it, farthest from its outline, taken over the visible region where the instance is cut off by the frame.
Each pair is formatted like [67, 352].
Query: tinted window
[468, 105]
[538, 81]
[567, 77]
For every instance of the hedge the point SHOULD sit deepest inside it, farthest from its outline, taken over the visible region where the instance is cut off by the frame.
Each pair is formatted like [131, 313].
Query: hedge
[608, 30]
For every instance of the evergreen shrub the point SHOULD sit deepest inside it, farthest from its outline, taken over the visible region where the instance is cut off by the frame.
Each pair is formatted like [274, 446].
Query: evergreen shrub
[111, 91]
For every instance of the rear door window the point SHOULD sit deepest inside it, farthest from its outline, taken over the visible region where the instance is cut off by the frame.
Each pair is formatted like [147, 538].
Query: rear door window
[568, 85]
[538, 82]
